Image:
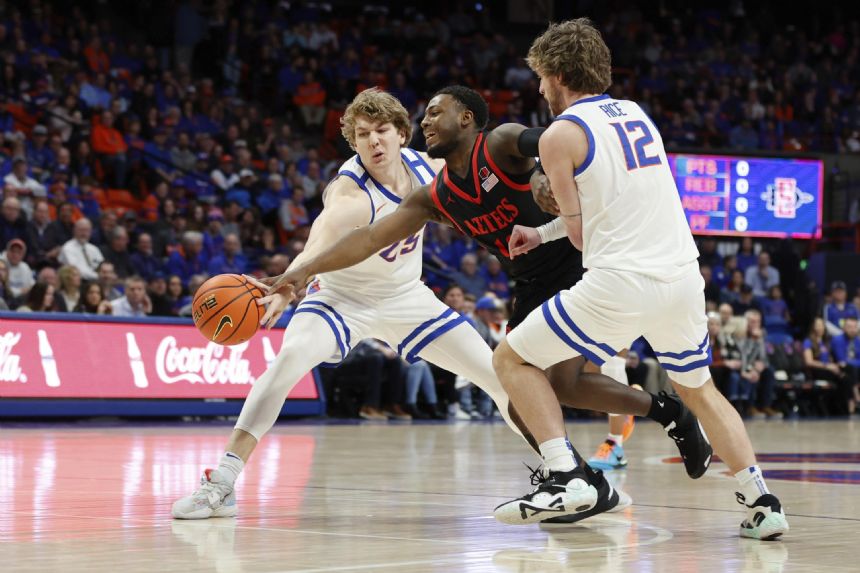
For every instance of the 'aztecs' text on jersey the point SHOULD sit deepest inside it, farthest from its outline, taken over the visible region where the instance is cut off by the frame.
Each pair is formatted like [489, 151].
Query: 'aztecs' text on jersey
[488, 203]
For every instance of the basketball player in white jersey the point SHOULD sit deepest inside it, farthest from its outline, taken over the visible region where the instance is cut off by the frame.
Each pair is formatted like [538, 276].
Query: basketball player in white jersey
[619, 204]
[382, 297]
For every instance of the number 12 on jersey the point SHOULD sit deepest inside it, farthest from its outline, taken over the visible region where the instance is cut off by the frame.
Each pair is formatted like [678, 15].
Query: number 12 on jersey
[640, 158]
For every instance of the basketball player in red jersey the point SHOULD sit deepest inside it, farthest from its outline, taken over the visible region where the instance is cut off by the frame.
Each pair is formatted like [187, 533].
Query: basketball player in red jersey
[484, 192]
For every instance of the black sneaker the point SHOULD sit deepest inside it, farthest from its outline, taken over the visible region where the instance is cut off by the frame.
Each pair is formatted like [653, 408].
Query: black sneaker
[765, 519]
[556, 494]
[609, 500]
[693, 444]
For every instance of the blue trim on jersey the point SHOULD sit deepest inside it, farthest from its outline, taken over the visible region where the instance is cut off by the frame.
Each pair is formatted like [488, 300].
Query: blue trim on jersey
[361, 183]
[685, 354]
[328, 364]
[421, 327]
[330, 322]
[412, 356]
[337, 315]
[592, 98]
[421, 162]
[584, 337]
[379, 185]
[688, 367]
[567, 339]
[590, 136]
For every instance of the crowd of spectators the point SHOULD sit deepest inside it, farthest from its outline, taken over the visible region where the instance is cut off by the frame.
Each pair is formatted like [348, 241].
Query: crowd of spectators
[137, 162]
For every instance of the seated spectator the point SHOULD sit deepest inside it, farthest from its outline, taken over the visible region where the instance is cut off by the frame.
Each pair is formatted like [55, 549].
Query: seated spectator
[756, 370]
[732, 291]
[175, 293]
[194, 283]
[143, 260]
[40, 298]
[13, 222]
[107, 278]
[108, 143]
[135, 302]
[496, 279]
[80, 252]
[69, 292]
[727, 364]
[846, 353]
[774, 306]
[92, 300]
[818, 356]
[40, 157]
[116, 252]
[60, 231]
[839, 309]
[25, 188]
[468, 276]
[746, 301]
[20, 279]
[37, 235]
[190, 259]
[310, 99]
[762, 276]
[224, 176]
[157, 292]
[242, 191]
[292, 213]
[231, 260]
[157, 157]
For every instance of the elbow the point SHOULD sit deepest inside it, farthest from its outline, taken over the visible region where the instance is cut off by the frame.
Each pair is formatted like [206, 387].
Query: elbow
[576, 239]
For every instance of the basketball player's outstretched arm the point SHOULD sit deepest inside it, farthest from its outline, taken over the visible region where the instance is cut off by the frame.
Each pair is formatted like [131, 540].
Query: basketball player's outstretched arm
[409, 218]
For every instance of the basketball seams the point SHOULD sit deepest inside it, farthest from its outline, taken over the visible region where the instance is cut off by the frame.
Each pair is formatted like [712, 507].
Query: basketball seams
[250, 289]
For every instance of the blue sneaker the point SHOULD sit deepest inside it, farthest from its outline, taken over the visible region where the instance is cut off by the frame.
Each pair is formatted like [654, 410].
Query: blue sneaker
[609, 456]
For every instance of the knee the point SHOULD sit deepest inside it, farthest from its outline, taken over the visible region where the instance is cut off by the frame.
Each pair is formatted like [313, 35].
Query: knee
[504, 357]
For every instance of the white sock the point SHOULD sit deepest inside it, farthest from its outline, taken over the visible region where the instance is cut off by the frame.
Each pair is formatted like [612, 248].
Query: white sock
[557, 455]
[230, 466]
[617, 438]
[752, 484]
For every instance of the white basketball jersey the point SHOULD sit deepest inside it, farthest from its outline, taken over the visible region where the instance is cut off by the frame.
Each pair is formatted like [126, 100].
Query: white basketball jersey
[396, 268]
[632, 219]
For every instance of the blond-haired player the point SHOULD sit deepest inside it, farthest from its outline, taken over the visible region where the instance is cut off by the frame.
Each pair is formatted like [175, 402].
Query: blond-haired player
[381, 297]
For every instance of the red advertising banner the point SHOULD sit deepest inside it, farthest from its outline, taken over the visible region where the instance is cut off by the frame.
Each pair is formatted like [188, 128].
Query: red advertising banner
[65, 359]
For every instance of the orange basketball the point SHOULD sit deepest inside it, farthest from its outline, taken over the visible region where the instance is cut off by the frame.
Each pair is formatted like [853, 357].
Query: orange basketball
[225, 309]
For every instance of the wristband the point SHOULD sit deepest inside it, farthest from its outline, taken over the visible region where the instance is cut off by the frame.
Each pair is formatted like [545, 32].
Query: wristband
[552, 231]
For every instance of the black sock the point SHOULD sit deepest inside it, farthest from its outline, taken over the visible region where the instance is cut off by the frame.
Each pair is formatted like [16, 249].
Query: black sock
[664, 409]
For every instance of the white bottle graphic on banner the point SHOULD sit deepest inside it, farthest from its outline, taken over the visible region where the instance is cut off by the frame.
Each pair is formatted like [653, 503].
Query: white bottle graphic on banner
[49, 365]
[136, 360]
[268, 352]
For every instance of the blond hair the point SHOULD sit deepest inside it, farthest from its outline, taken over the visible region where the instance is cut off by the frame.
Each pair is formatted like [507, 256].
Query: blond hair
[377, 106]
[575, 51]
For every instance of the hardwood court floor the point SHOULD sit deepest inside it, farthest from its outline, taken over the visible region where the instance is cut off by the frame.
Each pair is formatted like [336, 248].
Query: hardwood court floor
[405, 497]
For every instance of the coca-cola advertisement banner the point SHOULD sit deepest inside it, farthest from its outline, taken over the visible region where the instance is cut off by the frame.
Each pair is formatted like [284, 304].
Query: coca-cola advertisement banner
[66, 359]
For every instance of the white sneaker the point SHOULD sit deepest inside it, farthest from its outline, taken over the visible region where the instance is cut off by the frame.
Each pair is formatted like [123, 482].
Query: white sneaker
[765, 518]
[214, 498]
[461, 414]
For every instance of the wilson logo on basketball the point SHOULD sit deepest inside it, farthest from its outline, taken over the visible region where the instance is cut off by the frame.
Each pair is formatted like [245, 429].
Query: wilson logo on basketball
[212, 364]
[10, 364]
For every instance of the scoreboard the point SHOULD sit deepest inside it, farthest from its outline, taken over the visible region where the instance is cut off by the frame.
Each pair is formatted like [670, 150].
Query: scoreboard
[757, 196]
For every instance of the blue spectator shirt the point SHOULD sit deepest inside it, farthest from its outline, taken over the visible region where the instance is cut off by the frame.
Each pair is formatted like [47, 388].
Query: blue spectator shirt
[145, 265]
[824, 350]
[222, 265]
[846, 350]
[835, 315]
[183, 268]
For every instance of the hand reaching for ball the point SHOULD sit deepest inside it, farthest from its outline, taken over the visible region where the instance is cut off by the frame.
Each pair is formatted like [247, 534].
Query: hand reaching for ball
[281, 291]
